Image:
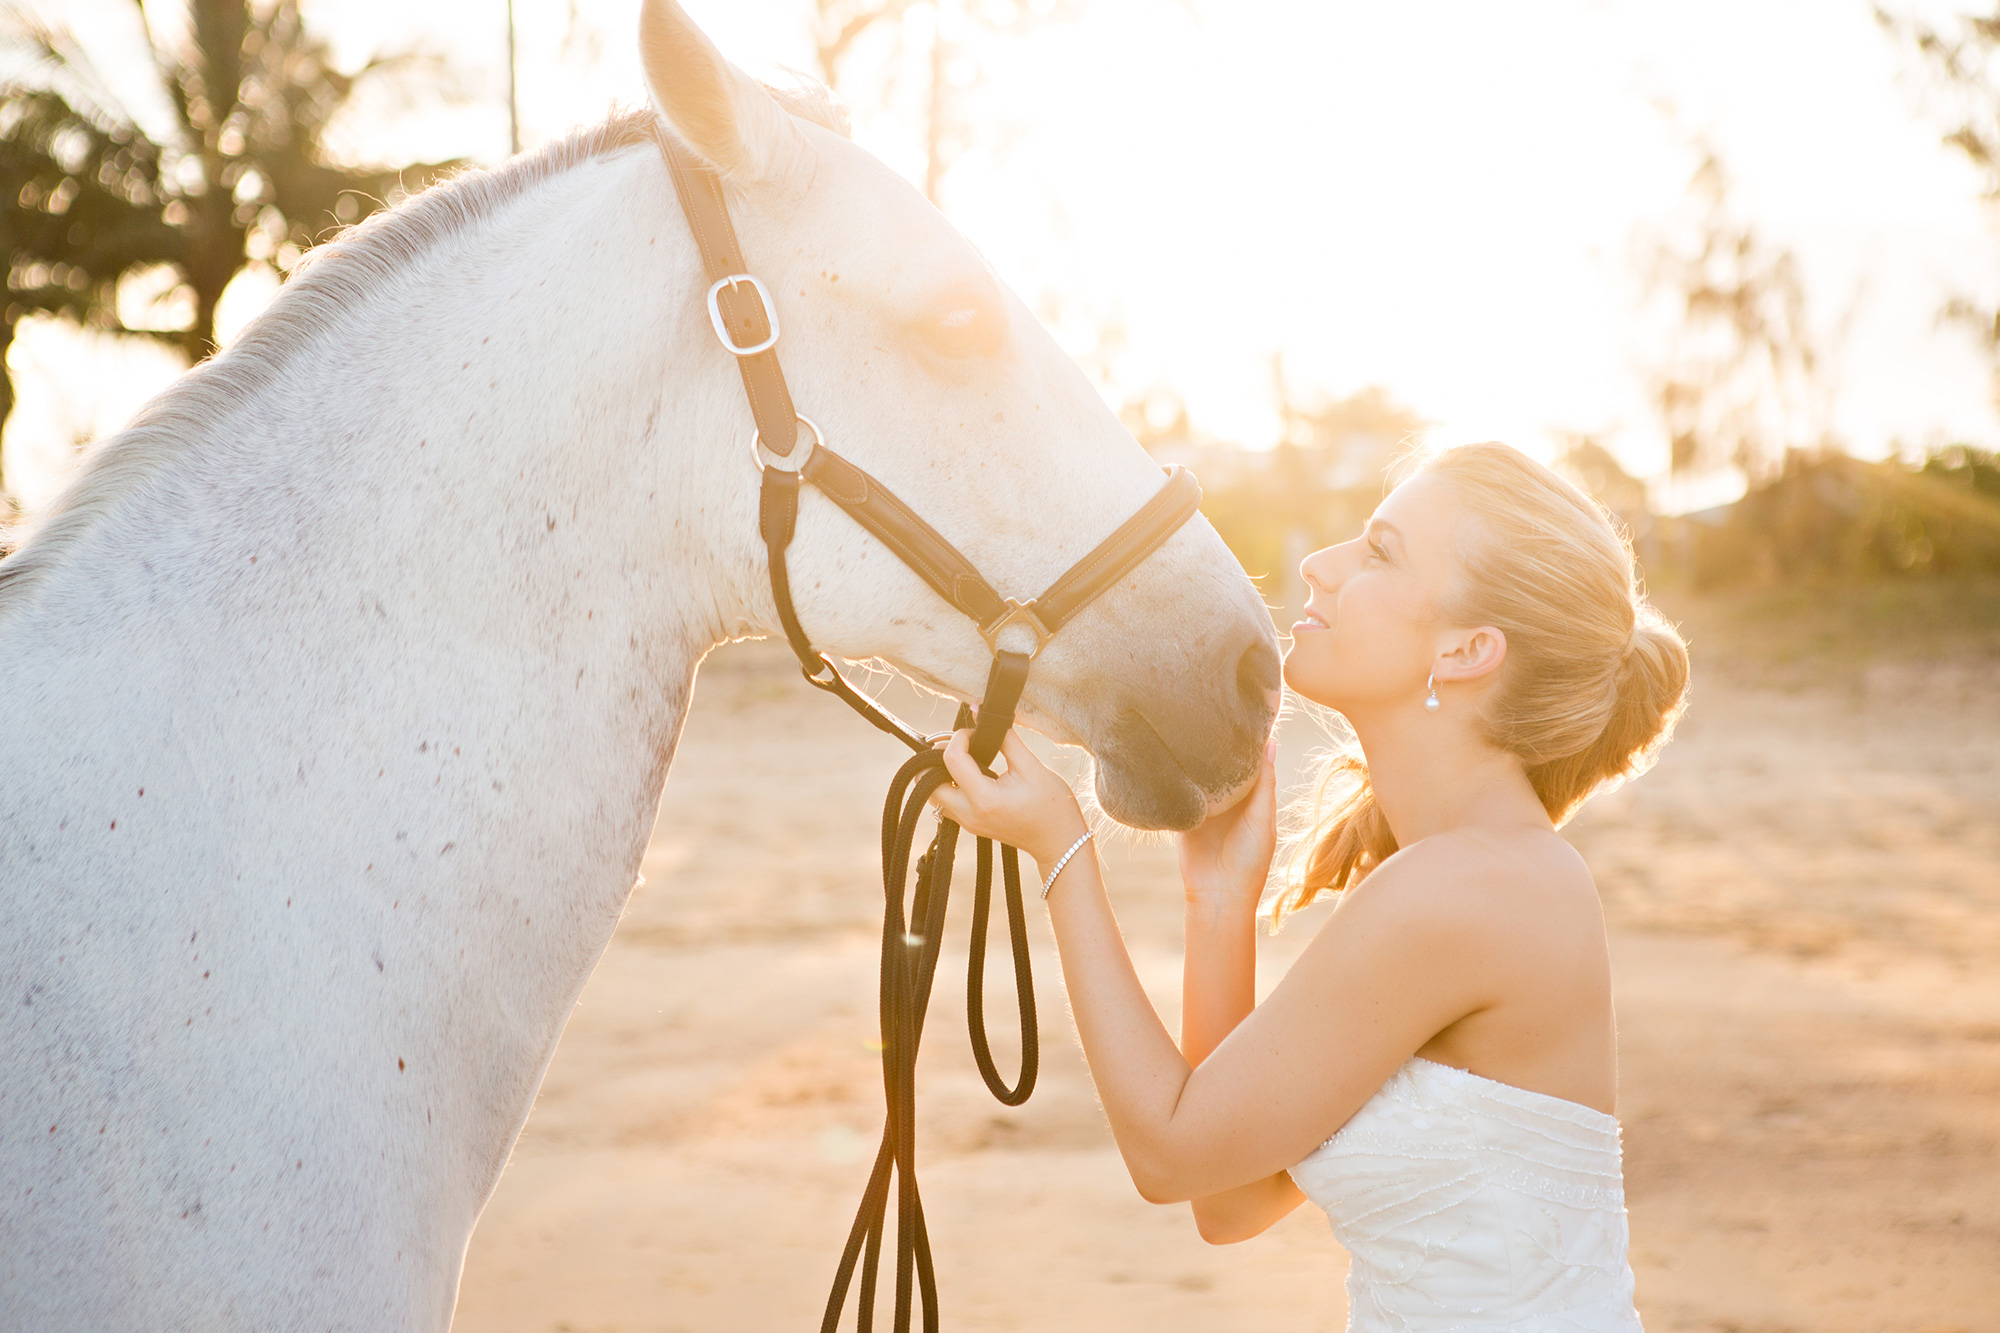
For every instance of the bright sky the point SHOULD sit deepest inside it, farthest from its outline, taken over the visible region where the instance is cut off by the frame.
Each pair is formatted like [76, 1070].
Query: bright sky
[1440, 197]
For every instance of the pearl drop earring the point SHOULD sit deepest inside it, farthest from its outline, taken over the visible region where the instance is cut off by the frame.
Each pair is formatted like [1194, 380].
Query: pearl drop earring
[1431, 704]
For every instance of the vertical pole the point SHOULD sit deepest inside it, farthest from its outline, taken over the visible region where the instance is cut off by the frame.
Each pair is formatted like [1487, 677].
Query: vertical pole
[513, 101]
[938, 109]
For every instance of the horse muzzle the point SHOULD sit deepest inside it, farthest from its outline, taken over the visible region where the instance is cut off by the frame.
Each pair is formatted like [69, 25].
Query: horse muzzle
[1171, 757]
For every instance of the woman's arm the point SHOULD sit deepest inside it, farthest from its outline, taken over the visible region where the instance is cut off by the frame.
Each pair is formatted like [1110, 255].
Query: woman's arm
[1218, 991]
[1224, 864]
[1394, 967]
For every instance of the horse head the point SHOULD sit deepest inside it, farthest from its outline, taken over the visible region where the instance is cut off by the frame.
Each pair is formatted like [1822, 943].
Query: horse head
[916, 362]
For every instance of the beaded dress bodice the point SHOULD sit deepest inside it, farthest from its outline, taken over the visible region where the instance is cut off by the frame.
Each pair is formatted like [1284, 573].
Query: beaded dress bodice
[1470, 1205]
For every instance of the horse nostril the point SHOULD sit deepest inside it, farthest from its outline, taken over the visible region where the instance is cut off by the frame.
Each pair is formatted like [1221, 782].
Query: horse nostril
[1258, 675]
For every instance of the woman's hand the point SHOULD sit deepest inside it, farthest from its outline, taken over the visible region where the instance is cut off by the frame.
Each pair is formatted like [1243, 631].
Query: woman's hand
[1027, 806]
[1225, 861]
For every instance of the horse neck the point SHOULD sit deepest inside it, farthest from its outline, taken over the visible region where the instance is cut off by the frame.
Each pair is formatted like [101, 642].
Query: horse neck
[512, 481]
[516, 414]
[406, 639]
[488, 468]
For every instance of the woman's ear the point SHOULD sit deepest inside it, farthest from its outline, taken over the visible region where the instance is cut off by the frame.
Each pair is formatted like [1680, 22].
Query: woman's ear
[1472, 654]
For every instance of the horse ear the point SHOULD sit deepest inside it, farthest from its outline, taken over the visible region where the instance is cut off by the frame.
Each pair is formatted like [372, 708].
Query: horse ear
[722, 113]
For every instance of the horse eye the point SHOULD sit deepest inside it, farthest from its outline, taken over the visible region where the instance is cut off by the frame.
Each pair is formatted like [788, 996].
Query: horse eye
[966, 331]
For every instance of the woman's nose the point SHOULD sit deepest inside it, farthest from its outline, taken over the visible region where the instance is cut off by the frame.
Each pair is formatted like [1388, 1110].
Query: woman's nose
[1320, 570]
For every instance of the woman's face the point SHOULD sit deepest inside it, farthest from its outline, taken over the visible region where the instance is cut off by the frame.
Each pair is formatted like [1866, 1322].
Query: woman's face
[1371, 633]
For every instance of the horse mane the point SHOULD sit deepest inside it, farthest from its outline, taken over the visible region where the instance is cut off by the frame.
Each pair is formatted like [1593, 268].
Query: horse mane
[332, 278]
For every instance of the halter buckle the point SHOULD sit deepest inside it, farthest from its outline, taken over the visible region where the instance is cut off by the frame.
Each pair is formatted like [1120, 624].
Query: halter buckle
[793, 461]
[1024, 615]
[732, 282]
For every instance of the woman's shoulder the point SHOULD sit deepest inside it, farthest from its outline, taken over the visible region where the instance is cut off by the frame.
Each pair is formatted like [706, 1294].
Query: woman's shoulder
[1477, 878]
[1505, 925]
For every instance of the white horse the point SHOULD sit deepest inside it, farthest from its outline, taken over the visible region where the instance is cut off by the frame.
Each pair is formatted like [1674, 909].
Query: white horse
[337, 695]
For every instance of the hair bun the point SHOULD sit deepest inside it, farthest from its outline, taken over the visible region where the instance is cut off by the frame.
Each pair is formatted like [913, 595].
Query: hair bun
[1652, 692]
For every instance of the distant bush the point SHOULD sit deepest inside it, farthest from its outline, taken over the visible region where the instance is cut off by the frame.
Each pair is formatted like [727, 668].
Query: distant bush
[1269, 516]
[1316, 486]
[1977, 468]
[1828, 517]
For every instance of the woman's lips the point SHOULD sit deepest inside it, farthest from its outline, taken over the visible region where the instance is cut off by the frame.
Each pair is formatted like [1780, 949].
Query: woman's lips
[1310, 624]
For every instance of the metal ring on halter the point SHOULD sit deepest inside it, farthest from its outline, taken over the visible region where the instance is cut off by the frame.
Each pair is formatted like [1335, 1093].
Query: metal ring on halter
[1025, 615]
[793, 461]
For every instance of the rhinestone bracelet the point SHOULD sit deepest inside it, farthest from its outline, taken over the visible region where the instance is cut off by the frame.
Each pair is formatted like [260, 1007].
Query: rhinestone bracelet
[1062, 861]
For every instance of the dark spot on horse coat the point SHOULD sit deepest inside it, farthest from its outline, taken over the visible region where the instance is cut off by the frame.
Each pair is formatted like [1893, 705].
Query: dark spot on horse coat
[399, 1064]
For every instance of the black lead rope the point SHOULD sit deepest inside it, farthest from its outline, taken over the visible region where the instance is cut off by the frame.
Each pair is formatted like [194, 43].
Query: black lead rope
[745, 322]
[910, 947]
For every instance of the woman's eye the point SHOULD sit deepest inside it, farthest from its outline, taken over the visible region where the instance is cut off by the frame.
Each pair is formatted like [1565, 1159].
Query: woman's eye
[968, 330]
[1377, 553]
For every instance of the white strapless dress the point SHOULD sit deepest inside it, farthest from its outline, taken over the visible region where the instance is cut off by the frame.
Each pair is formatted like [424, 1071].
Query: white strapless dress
[1474, 1206]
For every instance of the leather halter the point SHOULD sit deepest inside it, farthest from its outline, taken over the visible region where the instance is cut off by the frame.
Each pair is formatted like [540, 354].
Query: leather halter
[739, 307]
[744, 319]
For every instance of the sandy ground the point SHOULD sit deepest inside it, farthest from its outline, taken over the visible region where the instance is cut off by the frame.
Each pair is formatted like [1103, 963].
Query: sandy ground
[1805, 899]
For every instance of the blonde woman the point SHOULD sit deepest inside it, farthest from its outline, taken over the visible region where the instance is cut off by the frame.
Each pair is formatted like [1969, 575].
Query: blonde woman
[1438, 1068]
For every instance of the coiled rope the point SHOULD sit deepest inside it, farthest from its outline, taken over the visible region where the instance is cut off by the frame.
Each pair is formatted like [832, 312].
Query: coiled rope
[910, 946]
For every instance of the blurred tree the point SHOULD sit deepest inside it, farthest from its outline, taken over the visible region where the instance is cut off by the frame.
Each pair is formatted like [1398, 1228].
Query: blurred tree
[1345, 444]
[1595, 468]
[1738, 381]
[1599, 472]
[1158, 419]
[951, 31]
[1978, 470]
[868, 44]
[1316, 485]
[1962, 62]
[89, 197]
